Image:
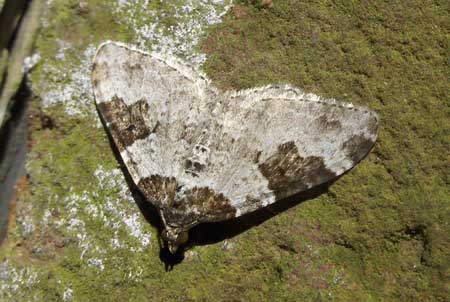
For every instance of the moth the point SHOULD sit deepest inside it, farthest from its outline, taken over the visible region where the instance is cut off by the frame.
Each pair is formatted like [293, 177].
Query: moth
[199, 154]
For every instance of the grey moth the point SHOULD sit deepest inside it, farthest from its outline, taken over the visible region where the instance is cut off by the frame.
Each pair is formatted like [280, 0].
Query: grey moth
[199, 154]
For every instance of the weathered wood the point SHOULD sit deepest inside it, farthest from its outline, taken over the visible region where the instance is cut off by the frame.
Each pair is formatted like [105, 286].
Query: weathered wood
[19, 50]
[10, 16]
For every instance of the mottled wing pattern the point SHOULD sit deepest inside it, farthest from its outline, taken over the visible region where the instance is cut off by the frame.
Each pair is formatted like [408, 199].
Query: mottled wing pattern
[199, 155]
[286, 141]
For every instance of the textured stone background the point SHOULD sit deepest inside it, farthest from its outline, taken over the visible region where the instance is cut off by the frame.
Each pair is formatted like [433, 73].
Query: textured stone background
[380, 233]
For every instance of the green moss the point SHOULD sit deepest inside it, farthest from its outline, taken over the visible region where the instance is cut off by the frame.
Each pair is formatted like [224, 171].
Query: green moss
[380, 233]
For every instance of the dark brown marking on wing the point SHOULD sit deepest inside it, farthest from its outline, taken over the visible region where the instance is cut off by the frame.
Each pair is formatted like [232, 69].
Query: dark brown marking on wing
[372, 125]
[325, 123]
[210, 204]
[357, 147]
[158, 189]
[257, 156]
[289, 173]
[126, 123]
[95, 80]
[133, 70]
[252, 203]
[198, 204]
[193, 167]
[100, 72]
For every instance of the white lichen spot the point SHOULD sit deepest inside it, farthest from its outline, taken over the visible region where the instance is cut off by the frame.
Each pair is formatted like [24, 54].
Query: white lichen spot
[107, 179]
[180, 37]
[68, 294]
[93, 216]
[63, 46]
[26, 225]
[14, 281]
[135, 275]
[75, 224]
[191, 255]
[30, 62]
[337, 277]
[46, 218]
[97, 263]
[227, 245]
[116, 243]
[135, 227]
[116, 208]
[71, 85]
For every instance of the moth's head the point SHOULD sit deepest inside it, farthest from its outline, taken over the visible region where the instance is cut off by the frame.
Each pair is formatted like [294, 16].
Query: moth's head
[175, 238]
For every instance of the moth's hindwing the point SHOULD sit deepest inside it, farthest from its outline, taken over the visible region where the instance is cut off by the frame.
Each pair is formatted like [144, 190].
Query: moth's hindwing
[203, 155]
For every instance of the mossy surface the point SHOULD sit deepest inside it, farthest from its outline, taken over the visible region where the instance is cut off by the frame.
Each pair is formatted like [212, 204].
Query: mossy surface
[380, 233]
